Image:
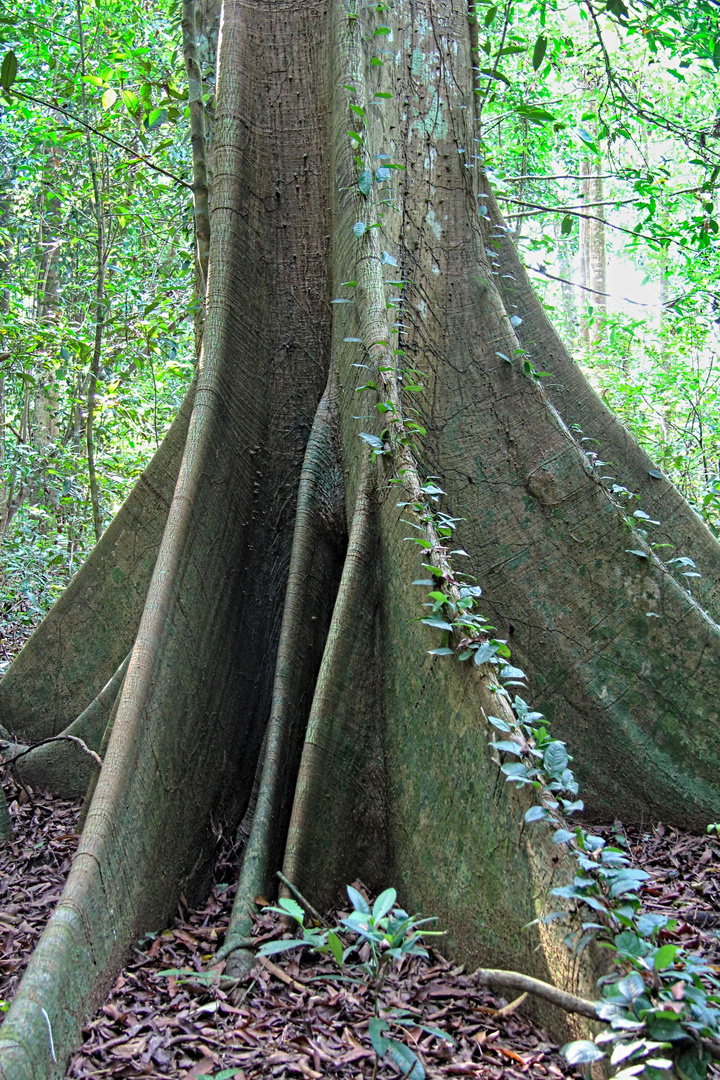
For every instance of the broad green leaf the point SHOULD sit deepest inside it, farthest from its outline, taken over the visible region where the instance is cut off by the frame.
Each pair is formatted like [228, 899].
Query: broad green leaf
[437, 623]
[582, 1052]
[375, 1030]
[358, 901]
[131, 100]
[509, 672]
[664, 957]
[292, 908]
[539, 51]
[359, 228]
[372, 440]
[8, 70]
[485, 652]
[507, 746]
[555, 758]
[407, 1062]
[335, 947]
[365, 180]
[692, 1064]
[383, 904]
[270, 948]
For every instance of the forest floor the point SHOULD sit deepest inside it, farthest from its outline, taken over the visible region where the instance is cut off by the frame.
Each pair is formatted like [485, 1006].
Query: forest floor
[169, 1015]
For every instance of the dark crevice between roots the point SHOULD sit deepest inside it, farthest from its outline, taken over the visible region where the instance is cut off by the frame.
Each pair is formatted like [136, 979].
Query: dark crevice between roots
[338, 830]
[316, 562]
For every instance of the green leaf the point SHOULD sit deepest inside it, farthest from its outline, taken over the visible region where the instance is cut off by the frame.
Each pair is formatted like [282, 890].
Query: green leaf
[636, 551]
[335, 947]
[515, 770]
[581, 1052]
[359, 228]
[292, 908]
[358, 901]
[372, 440]
[536, 813]
[566, 226]
[381, 31]
[509, 672]
[664, 957]
[555, 758]
[407, 1062]
[648, 923]
[501, 725]
[692, 1064]
[507, 746]
[539, 51]
[132, 102]
[383, 904]
[437, 623]
[365, 180]
[535, 114]
[270, 948]
[562, 836]
[441, 652]
[358, 109]
[8, 70]
[375, 1030]
[155, 119]
[485, 652]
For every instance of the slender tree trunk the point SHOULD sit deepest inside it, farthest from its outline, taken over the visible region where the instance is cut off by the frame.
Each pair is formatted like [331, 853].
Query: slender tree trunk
[98, 209]
[201, 193]
[569, 301]
[593, 257]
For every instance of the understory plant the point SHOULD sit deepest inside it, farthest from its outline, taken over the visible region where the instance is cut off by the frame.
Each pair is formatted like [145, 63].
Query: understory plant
[385, 934]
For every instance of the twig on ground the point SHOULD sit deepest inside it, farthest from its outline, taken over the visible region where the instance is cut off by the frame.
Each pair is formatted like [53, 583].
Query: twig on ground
[301, 899]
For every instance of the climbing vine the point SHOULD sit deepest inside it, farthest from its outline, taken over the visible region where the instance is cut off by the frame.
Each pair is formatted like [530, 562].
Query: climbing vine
[660, 1004]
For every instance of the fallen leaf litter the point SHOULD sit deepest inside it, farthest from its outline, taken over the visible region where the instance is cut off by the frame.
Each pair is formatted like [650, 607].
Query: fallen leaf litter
[291, 1023]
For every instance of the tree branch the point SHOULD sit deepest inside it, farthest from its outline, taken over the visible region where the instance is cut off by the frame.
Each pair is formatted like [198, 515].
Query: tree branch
[605, 202]
[102, 135]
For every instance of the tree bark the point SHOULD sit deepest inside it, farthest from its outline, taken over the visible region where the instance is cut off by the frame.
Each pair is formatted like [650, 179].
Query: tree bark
[394, 776]
[198, 141]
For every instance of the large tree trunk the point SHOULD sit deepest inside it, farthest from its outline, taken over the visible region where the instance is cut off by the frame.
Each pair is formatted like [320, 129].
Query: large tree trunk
[281, 599]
